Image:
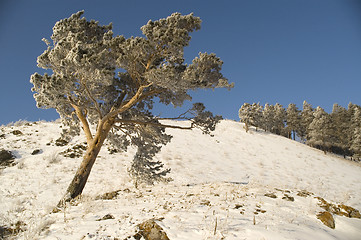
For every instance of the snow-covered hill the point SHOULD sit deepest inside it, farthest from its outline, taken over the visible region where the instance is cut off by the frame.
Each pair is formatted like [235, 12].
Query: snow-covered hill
[235, 185]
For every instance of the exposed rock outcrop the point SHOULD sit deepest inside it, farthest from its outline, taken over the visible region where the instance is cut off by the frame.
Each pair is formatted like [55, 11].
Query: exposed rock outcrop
[150, 230]
[6, 158]
[327, 219]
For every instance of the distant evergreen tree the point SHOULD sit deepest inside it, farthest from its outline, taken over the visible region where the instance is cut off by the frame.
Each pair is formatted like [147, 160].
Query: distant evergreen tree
[293, 120]
[351, 108]
[306, 119]
[279, 119]
[257, 110]
[268, 117]
[355, 145]
[342, 137]
[338, 132]
[250, 115]
[245, 115]
[320, 131]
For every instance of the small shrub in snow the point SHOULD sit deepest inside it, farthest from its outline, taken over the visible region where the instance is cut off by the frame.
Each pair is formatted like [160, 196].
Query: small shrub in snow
[74, 152]
[21, 165]
[53, 158]
[108, 196]
[18, 123]
[38, 226]
[12, 230]
[61, 142]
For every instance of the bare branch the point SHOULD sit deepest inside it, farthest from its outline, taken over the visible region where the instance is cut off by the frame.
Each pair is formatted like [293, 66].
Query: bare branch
[119, 101]
[150, 60]
[180, 117]
[138, 96]
[82, 117]
[138, 122]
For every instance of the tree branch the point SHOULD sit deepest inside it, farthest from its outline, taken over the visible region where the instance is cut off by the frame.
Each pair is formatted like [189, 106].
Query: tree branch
[138, 122]
[93, 99]
[150, 60]
[150, 93]
[181, 116]
[119, 128]
[84, 121]
[138, 96]
[118, 102]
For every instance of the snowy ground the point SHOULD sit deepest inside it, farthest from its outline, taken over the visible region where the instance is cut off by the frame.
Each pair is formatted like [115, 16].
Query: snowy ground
[218, 190]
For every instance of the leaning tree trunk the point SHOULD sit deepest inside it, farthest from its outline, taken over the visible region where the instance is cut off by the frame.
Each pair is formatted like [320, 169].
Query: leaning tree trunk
[81, 176]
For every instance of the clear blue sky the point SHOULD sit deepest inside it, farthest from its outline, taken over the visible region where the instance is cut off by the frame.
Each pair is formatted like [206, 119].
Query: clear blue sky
[283, 51]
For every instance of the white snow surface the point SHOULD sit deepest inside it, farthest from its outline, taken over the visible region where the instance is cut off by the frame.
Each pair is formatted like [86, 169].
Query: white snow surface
[218, 188]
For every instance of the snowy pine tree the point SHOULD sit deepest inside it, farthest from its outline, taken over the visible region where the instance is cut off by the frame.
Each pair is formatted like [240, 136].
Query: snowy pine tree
[342, 121]
[279, 119]
[245, 115]
[351, 108]
[293, 120]
[320, 131]
[250, 115]
[355, 145]
[306, 119]
[257, 115]
[268, 117]
[111, 81]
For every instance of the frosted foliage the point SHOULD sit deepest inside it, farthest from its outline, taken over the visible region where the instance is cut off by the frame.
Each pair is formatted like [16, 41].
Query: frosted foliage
[82, 65]
[306, 119]
[96, 77]
[293, 117]
[258, 114]
[342, 121]
[171, 35]
[356, 137]
[250, 114]
[144, 169]
[204, 72]
[280, 118]
[320, 129]
[85, 59]
[244, 113]
[273, 118]
[268, 116]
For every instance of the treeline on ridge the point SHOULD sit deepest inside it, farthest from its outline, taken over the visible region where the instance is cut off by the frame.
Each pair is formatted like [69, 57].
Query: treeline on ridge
[338, 132]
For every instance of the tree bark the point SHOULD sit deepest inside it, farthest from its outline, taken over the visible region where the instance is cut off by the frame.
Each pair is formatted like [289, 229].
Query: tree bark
[78, 183]
[246, 126]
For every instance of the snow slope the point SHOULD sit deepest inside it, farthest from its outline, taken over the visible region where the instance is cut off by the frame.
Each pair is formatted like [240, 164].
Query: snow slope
[218, 190]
